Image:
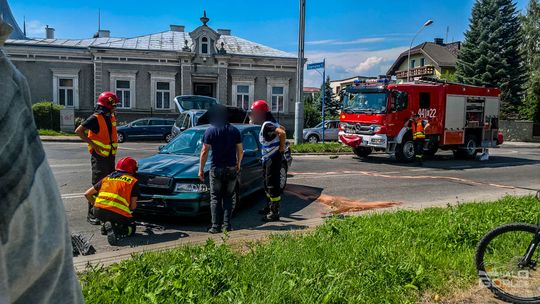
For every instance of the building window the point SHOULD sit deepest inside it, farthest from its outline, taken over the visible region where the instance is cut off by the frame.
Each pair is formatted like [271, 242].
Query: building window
[65, 92]
[413, 63]
[123, 91]
[66, 88]
[242, 96]
[163, 95]
[204, 45]
[422, 61]
[278, 99]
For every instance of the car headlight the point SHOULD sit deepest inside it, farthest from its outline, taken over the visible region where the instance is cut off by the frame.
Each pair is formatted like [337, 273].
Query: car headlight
[192, 188]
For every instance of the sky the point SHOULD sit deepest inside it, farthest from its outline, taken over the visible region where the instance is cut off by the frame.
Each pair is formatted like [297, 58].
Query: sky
[356, 37]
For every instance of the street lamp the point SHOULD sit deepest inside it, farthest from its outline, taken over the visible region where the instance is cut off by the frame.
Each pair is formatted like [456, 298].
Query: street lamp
[428, 23]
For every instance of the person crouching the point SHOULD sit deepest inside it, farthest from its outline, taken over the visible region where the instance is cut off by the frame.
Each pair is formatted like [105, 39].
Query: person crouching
[114, 198]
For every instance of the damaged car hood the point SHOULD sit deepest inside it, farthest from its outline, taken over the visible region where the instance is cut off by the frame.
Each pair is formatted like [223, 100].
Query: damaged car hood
[171, 165]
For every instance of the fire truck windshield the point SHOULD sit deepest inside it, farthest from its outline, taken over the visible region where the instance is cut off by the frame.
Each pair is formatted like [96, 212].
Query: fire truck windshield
[364, 102]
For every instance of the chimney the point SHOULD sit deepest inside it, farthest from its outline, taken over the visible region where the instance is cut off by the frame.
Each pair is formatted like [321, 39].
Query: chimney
[103, 34]
[224, 32]
[49, 32]
[439, 41]
[177, 28]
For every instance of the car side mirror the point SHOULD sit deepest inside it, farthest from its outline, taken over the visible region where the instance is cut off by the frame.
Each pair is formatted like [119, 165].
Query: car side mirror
[182, 129]
[161, 147]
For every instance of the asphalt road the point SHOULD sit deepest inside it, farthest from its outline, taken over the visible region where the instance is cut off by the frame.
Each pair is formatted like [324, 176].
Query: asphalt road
[318, 186]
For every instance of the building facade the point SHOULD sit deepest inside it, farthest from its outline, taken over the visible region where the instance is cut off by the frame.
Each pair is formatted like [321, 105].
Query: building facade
[431, 59]
[147, 72]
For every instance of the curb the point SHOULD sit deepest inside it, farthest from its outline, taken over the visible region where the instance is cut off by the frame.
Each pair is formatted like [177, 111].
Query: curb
[59, 138]
[81, 263]
[520, 145]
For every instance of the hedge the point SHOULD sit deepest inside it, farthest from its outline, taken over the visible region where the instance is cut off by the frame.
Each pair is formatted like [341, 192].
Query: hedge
[47, 115]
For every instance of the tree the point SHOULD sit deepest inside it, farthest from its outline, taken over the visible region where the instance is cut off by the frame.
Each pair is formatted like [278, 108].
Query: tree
[312, 116]
[332, 104]
[491, 53]
[531, 49]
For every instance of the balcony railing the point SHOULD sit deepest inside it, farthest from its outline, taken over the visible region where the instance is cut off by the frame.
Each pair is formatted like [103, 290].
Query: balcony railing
[417, 72]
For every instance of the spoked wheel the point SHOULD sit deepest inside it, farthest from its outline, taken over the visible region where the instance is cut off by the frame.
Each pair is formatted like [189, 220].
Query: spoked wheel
[502, 266]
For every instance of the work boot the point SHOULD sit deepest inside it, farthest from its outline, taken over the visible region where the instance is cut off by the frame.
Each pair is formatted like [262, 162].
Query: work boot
[111, 235]
[103, 230]
[273, 215]
[213, 230]
[90, 218]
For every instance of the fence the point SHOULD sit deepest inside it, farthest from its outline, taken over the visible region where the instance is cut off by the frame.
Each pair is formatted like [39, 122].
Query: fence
[516, 130]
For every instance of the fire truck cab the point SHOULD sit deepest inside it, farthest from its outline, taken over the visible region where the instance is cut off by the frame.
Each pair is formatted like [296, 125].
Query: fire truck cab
[462, 118]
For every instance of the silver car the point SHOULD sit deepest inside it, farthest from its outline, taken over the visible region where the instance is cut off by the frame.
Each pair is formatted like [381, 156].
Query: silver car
[314, 135]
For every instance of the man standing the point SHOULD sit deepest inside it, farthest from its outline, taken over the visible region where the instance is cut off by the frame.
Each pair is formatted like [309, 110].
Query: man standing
[102, 141]
[272, 138]
[36, 263]
[114, 198]
[227, 152]
[418, 128]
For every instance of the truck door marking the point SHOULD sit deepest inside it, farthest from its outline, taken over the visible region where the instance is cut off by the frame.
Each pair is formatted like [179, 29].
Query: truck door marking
[431, 113]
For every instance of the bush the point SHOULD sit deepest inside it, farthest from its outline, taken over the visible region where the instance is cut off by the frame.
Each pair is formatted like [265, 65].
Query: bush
[329, 147]
[47, 115]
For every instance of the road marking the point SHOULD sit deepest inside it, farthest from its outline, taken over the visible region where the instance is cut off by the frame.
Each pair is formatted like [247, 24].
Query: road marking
[68, 165]
[72, 195]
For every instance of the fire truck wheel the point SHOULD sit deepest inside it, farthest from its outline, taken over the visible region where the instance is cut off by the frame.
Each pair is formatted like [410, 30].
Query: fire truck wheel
[468, 150]
[405, 150]
[362, 151]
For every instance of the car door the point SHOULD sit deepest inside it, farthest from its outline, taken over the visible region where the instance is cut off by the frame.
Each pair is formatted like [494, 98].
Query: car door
[331, 132]
[251, 173]
[158, 128]
[139, 128]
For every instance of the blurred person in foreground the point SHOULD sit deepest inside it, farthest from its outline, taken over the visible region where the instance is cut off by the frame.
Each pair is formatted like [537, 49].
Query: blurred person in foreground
[36, 263]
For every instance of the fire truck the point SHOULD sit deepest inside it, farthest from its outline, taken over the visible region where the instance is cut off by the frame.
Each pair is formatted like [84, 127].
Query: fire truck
[462, 118]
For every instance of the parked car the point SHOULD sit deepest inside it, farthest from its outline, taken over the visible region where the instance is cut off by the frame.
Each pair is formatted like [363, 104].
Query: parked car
[191, 108]
[331, 132]
[169, 183]
[146, 128]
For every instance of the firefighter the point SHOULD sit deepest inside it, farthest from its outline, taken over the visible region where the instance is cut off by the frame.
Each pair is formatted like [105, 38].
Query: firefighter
[418, 128]
[272, 137]
[113, 200]
[99, 132]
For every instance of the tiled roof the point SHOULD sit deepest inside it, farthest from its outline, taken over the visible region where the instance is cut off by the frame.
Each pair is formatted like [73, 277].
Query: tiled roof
[164, 41]
[442, 55]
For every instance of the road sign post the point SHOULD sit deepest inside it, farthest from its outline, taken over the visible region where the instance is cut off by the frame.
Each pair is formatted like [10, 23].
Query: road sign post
[316, 66]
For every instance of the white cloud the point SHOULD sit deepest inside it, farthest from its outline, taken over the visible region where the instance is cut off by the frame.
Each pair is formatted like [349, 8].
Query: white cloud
[318, 42]
[347, 63]
[35, 28]
[367, 64]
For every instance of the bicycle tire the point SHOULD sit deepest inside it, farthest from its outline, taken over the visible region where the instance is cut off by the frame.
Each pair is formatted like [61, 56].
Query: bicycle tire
[479, 259]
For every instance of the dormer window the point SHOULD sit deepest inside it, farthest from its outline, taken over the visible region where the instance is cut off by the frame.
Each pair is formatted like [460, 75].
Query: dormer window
[204, 45]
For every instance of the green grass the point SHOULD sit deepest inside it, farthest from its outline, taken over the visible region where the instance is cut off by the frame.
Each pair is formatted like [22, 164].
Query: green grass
[331, 147]
[381, 258]
[46, 132]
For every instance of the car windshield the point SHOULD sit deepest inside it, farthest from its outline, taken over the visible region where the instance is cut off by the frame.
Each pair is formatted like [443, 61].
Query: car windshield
[188, 142]
[364, 102]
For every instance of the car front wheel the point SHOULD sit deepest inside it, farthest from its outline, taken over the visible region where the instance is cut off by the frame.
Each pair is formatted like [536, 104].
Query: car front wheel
[313, 139]
[121, 137]
[169, 137]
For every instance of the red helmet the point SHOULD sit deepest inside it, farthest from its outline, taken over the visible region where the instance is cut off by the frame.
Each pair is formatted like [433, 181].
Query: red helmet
[260, 105]
[107, 100]
[127, 164]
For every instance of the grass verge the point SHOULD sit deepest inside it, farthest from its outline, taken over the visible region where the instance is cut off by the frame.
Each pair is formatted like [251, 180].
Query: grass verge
[381, 258]
[46, 132]
[331, 147]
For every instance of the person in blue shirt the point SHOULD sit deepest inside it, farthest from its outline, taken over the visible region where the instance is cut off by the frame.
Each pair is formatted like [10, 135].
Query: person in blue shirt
[225, 142]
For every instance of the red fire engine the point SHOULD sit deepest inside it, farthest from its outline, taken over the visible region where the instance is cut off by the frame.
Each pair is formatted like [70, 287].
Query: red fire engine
[462, 118]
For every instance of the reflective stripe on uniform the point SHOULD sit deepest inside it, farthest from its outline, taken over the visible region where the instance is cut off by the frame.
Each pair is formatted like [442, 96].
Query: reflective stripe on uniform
[273, 199]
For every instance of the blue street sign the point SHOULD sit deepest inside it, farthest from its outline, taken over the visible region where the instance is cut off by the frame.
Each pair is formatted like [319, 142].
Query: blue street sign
[316, 65]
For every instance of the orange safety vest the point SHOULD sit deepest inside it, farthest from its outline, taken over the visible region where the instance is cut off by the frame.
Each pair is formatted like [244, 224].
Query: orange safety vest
[418, 129]
[107, 143]
[115, 194]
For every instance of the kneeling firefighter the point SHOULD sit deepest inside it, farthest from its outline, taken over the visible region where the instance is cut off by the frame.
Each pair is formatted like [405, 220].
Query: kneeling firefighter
[114, 198]
[272, 137]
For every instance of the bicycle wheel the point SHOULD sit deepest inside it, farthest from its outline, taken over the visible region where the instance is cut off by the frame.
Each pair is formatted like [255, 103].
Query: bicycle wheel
[498, 261]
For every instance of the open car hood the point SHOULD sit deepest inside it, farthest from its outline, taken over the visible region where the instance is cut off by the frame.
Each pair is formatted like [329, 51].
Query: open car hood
[194, 102]
[235, 116]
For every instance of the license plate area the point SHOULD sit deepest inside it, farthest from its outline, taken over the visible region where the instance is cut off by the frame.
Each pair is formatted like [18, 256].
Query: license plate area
[152, 203]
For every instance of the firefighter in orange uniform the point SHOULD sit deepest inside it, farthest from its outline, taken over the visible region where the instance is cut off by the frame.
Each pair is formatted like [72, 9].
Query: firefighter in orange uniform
[418, 128]
[99, 132]
[113, 200]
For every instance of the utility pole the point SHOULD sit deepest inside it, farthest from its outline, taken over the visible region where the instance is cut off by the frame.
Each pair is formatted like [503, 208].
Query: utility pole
[323, 98]
[299, 104]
